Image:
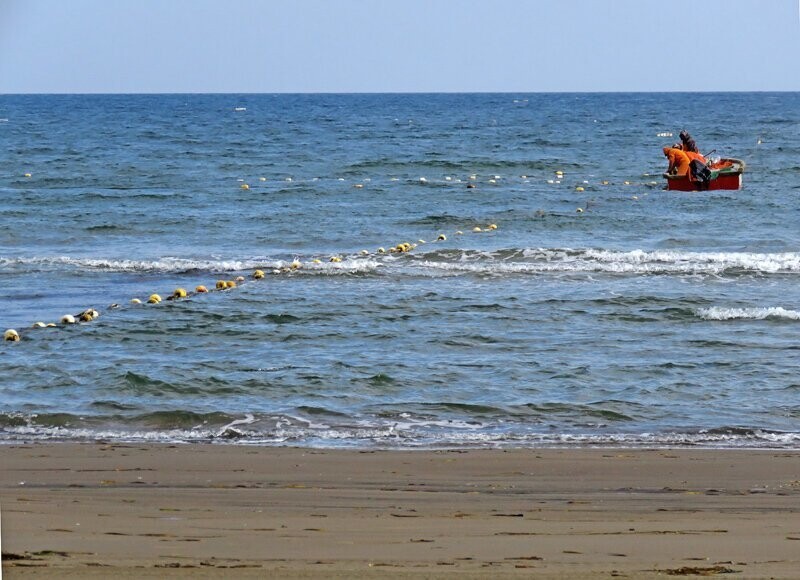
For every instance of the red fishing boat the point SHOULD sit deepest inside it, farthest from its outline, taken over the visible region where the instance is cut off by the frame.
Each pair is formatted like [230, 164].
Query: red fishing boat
[725, 174]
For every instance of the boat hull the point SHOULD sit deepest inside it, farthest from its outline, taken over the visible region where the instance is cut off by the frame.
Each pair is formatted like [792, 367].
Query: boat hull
[725, 174]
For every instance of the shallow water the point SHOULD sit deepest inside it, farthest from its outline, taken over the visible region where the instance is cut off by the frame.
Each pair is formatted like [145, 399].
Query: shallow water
[652, 317]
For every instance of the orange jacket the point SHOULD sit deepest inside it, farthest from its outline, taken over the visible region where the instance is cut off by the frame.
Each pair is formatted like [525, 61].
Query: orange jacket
[692, 156]
[677, 160]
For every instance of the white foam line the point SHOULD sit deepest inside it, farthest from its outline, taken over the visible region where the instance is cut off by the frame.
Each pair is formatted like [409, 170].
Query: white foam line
[383, 435]
[718, 313]
[527, 260]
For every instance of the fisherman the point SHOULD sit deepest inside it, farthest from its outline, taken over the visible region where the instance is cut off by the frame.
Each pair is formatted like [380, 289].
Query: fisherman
[691, 154]
[688, 144]
[678, 161]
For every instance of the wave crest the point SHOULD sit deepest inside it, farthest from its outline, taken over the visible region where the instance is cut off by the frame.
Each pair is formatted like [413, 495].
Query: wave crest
[453, 261]
[776, 312]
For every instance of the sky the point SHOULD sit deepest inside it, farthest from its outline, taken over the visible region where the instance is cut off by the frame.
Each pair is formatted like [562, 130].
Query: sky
[274, 46]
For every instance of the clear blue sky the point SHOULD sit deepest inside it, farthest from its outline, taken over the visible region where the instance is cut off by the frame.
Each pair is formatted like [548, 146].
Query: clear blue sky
[146, 46]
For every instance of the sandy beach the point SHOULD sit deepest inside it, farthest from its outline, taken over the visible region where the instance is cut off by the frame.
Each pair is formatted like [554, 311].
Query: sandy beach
[203, 511]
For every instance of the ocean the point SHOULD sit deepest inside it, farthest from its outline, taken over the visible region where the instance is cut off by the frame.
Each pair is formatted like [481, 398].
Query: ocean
[602, 310]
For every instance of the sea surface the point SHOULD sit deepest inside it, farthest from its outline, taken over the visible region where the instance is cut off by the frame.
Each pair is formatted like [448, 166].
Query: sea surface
[619, 315]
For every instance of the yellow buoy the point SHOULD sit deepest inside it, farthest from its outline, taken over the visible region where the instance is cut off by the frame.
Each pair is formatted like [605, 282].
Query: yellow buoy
[381, 250]
[239, 279]
[258, 274]
[365, 252]
[221, 285]
[201, 289]
[335, 259]
[358, 185]
[579, 210]
[88, 315]
[68, 319]
[135, 301]
[604, 182]
[11, 335]
[459, 233]
[39, 325]
[316, 261]
[579, 188]
[179, 293]
[27, 175]
[154, 299]
[441, 238]
[230, 284]
[476, 229]
[262, 178]
[51, 325]
[492, 227]
[296, 265]
[244, 186]
[422, 241]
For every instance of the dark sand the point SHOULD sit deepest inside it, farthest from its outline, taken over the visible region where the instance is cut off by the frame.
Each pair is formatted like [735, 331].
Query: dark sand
[211, 511]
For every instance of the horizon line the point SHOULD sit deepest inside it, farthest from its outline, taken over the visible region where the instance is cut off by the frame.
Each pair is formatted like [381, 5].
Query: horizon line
[501, 92]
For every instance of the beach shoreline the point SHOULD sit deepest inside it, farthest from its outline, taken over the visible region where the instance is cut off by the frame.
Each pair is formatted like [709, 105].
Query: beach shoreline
[92, 510]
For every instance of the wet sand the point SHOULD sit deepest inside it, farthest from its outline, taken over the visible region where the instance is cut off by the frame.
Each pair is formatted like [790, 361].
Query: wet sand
[210, 511]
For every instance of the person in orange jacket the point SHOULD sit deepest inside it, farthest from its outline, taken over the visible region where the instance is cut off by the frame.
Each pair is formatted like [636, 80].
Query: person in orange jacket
[692, 156]
[678, 161]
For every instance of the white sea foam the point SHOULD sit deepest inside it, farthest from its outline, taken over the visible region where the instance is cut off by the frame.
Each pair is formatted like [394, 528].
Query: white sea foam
[407, 435]
[531, 260]
[543, 260]
[165, 264]
[178, 265]
[248, 419]
[718, 313]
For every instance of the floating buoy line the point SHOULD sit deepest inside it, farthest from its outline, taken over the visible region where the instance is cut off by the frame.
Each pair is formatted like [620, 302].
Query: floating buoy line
[223, 285]
[91, 314]
[471, 182]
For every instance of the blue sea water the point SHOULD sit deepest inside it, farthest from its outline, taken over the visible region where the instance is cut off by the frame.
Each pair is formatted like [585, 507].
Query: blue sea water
[649, 318]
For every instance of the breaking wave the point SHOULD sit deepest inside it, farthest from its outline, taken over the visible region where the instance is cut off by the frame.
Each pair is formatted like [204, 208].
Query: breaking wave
[282, 430]
[508, 261]
[718, 313]
[171, 265]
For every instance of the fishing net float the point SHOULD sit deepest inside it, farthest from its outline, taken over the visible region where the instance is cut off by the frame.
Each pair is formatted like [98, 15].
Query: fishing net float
[90, 314]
